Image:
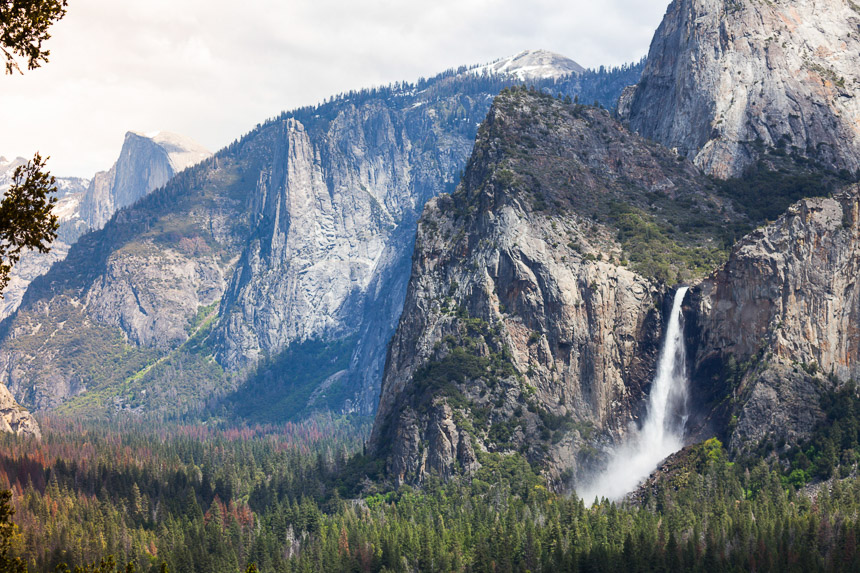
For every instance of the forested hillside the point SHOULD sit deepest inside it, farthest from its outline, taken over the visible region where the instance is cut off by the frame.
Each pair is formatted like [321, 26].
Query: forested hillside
[289, 499]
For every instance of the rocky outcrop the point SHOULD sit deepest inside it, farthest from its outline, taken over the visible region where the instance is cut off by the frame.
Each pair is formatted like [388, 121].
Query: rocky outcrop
[150, 293]
[778, 324]
[726, 79]
[146, 162]
[14, 419]
[525, 329]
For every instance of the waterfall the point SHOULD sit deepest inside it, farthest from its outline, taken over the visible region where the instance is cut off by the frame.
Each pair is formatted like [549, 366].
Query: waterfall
[662, 434]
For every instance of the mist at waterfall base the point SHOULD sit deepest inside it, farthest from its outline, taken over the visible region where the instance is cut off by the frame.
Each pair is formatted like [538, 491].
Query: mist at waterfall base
[662, 433]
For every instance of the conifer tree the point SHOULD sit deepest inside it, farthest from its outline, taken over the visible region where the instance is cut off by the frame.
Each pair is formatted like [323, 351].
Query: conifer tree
[24, 27]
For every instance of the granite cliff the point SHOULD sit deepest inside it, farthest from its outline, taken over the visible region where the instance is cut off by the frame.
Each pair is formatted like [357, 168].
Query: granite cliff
[145, 163]
[777, 326]
[533, 316]
[726, 79]
[282, 261]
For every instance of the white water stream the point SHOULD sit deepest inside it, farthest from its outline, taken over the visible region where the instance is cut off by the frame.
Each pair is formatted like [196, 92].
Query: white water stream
[662, 434]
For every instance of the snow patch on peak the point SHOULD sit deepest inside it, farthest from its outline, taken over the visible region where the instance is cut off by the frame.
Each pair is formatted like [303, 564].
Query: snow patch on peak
[532, 65]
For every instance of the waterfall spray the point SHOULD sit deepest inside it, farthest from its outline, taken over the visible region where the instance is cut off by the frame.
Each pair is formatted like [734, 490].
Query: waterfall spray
[662, 434]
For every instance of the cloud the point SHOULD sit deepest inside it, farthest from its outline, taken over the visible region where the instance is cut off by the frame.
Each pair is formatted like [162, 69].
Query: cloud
[212, 69]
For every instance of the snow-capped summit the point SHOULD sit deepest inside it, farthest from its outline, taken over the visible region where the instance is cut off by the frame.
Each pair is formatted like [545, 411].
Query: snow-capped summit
[532, 65]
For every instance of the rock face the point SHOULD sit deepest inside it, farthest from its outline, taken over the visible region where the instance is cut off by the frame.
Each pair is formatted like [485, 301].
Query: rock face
[727, 78]
[523, 331]
[14, 419]
[778, 324]
[334, 213]
[146, 162]
[299, 234]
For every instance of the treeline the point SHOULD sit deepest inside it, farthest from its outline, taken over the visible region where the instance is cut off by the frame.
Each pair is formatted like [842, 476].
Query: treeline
[602, 86]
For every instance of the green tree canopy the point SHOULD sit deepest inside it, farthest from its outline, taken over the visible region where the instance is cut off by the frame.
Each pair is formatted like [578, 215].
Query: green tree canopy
[24, 27]
[8, 563]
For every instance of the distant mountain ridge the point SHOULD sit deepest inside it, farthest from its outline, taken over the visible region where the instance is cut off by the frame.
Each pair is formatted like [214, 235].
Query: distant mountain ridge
[145, 163]
[290, 247]
[531, 65]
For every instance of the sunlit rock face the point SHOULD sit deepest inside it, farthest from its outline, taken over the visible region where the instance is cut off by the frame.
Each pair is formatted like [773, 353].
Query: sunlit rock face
[146, 162]
[15, 419]
[778, 324]
[726, 79]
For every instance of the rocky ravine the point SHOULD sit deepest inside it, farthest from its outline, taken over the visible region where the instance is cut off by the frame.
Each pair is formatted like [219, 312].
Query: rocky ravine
[726, 78]
[778, 324]
[523, 330]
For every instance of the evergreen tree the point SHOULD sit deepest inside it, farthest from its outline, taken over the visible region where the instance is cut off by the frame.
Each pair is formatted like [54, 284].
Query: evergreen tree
[24, 27]
[26, 220]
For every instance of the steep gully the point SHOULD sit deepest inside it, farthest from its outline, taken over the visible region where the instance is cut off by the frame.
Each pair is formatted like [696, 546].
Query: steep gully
[662, 433]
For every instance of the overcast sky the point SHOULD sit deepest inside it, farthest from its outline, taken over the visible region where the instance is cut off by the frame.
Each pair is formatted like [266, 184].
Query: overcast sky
[212, 69]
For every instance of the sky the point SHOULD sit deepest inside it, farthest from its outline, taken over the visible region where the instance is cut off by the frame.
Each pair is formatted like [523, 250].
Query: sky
[213, 69]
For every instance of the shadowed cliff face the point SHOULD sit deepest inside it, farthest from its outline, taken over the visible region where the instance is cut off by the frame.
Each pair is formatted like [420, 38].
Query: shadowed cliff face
[532, 322]
[725, 78]
[778, 324]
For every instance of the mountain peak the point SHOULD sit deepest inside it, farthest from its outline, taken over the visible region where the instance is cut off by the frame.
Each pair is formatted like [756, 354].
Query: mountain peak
[182, 151]
[532, 65]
